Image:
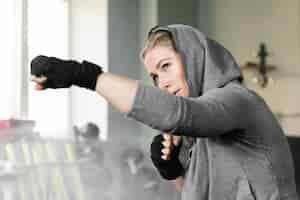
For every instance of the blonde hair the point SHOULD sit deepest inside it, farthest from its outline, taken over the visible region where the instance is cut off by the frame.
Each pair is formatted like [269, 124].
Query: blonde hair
[159, 38]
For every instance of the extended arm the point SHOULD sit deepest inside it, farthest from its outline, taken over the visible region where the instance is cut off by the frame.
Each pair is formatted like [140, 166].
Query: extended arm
[52, 72]
[119, 91]
[216, 112]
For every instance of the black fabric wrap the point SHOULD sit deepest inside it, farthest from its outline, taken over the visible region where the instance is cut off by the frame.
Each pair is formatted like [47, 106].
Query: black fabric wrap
[65, 73]
[168, 169]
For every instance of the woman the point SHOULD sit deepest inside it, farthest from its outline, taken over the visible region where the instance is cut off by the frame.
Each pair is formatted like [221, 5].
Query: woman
[236, 145]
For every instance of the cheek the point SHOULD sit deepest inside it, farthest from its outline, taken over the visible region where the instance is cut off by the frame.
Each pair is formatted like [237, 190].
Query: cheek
[184, 83]
[181, 76]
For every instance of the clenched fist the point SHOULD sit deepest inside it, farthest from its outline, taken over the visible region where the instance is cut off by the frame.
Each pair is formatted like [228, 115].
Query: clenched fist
[165, 151]
[52, 72]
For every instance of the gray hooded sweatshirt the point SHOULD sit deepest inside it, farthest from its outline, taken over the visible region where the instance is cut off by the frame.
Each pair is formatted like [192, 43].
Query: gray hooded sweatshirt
[239, 151]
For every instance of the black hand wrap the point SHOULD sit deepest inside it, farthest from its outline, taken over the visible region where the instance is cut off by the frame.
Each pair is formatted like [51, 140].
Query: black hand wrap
[64, 73]
[168, 169]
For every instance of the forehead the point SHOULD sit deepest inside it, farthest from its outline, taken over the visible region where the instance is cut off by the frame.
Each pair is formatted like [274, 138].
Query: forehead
[156, 55]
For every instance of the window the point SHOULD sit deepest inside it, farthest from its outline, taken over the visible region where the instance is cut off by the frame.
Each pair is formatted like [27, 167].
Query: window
[48, 35]
[7, 85]
[33, 27]
[48, 168]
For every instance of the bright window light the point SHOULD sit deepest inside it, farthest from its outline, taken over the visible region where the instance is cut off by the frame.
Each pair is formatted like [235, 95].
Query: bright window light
[7, 55]
[48, 35]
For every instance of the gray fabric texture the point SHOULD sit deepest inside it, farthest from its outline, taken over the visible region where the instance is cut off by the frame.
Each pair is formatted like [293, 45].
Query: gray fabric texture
[238, 146]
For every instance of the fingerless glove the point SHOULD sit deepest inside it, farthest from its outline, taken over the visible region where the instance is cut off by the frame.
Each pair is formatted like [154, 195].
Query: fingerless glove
[168, 169]
[64, 73]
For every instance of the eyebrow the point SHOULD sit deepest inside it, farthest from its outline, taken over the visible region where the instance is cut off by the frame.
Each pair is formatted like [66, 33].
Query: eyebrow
[158, 64]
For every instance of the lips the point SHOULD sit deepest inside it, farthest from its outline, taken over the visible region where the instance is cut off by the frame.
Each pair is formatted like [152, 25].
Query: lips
[177, 92]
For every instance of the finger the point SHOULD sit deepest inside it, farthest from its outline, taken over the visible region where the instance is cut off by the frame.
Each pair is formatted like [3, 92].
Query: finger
[38, 80]
[176, 140]
[166, 136]
[167, 143]
[166, 151]
[38, 87]
[165, 157]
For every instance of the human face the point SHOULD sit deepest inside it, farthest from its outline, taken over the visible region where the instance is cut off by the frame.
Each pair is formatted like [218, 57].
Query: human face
[167, 71]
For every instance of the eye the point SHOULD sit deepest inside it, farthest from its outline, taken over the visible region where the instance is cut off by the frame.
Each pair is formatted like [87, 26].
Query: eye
[165, 66]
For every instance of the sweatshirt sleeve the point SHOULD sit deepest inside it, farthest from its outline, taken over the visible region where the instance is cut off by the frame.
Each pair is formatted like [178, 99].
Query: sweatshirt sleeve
[219, 111]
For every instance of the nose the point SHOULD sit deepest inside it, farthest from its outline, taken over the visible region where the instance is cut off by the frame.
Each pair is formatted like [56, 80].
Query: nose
[164, 84]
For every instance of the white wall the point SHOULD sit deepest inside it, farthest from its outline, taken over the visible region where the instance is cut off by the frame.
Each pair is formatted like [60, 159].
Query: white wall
[242, 25]
[88, 40]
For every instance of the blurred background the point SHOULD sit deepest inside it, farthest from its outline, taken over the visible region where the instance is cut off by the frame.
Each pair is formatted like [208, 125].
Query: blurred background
[46, 148]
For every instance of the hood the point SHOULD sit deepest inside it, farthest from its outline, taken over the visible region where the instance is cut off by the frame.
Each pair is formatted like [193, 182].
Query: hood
[208, 64]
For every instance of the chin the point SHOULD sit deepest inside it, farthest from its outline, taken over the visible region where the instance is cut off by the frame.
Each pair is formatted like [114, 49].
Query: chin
[184, 93]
